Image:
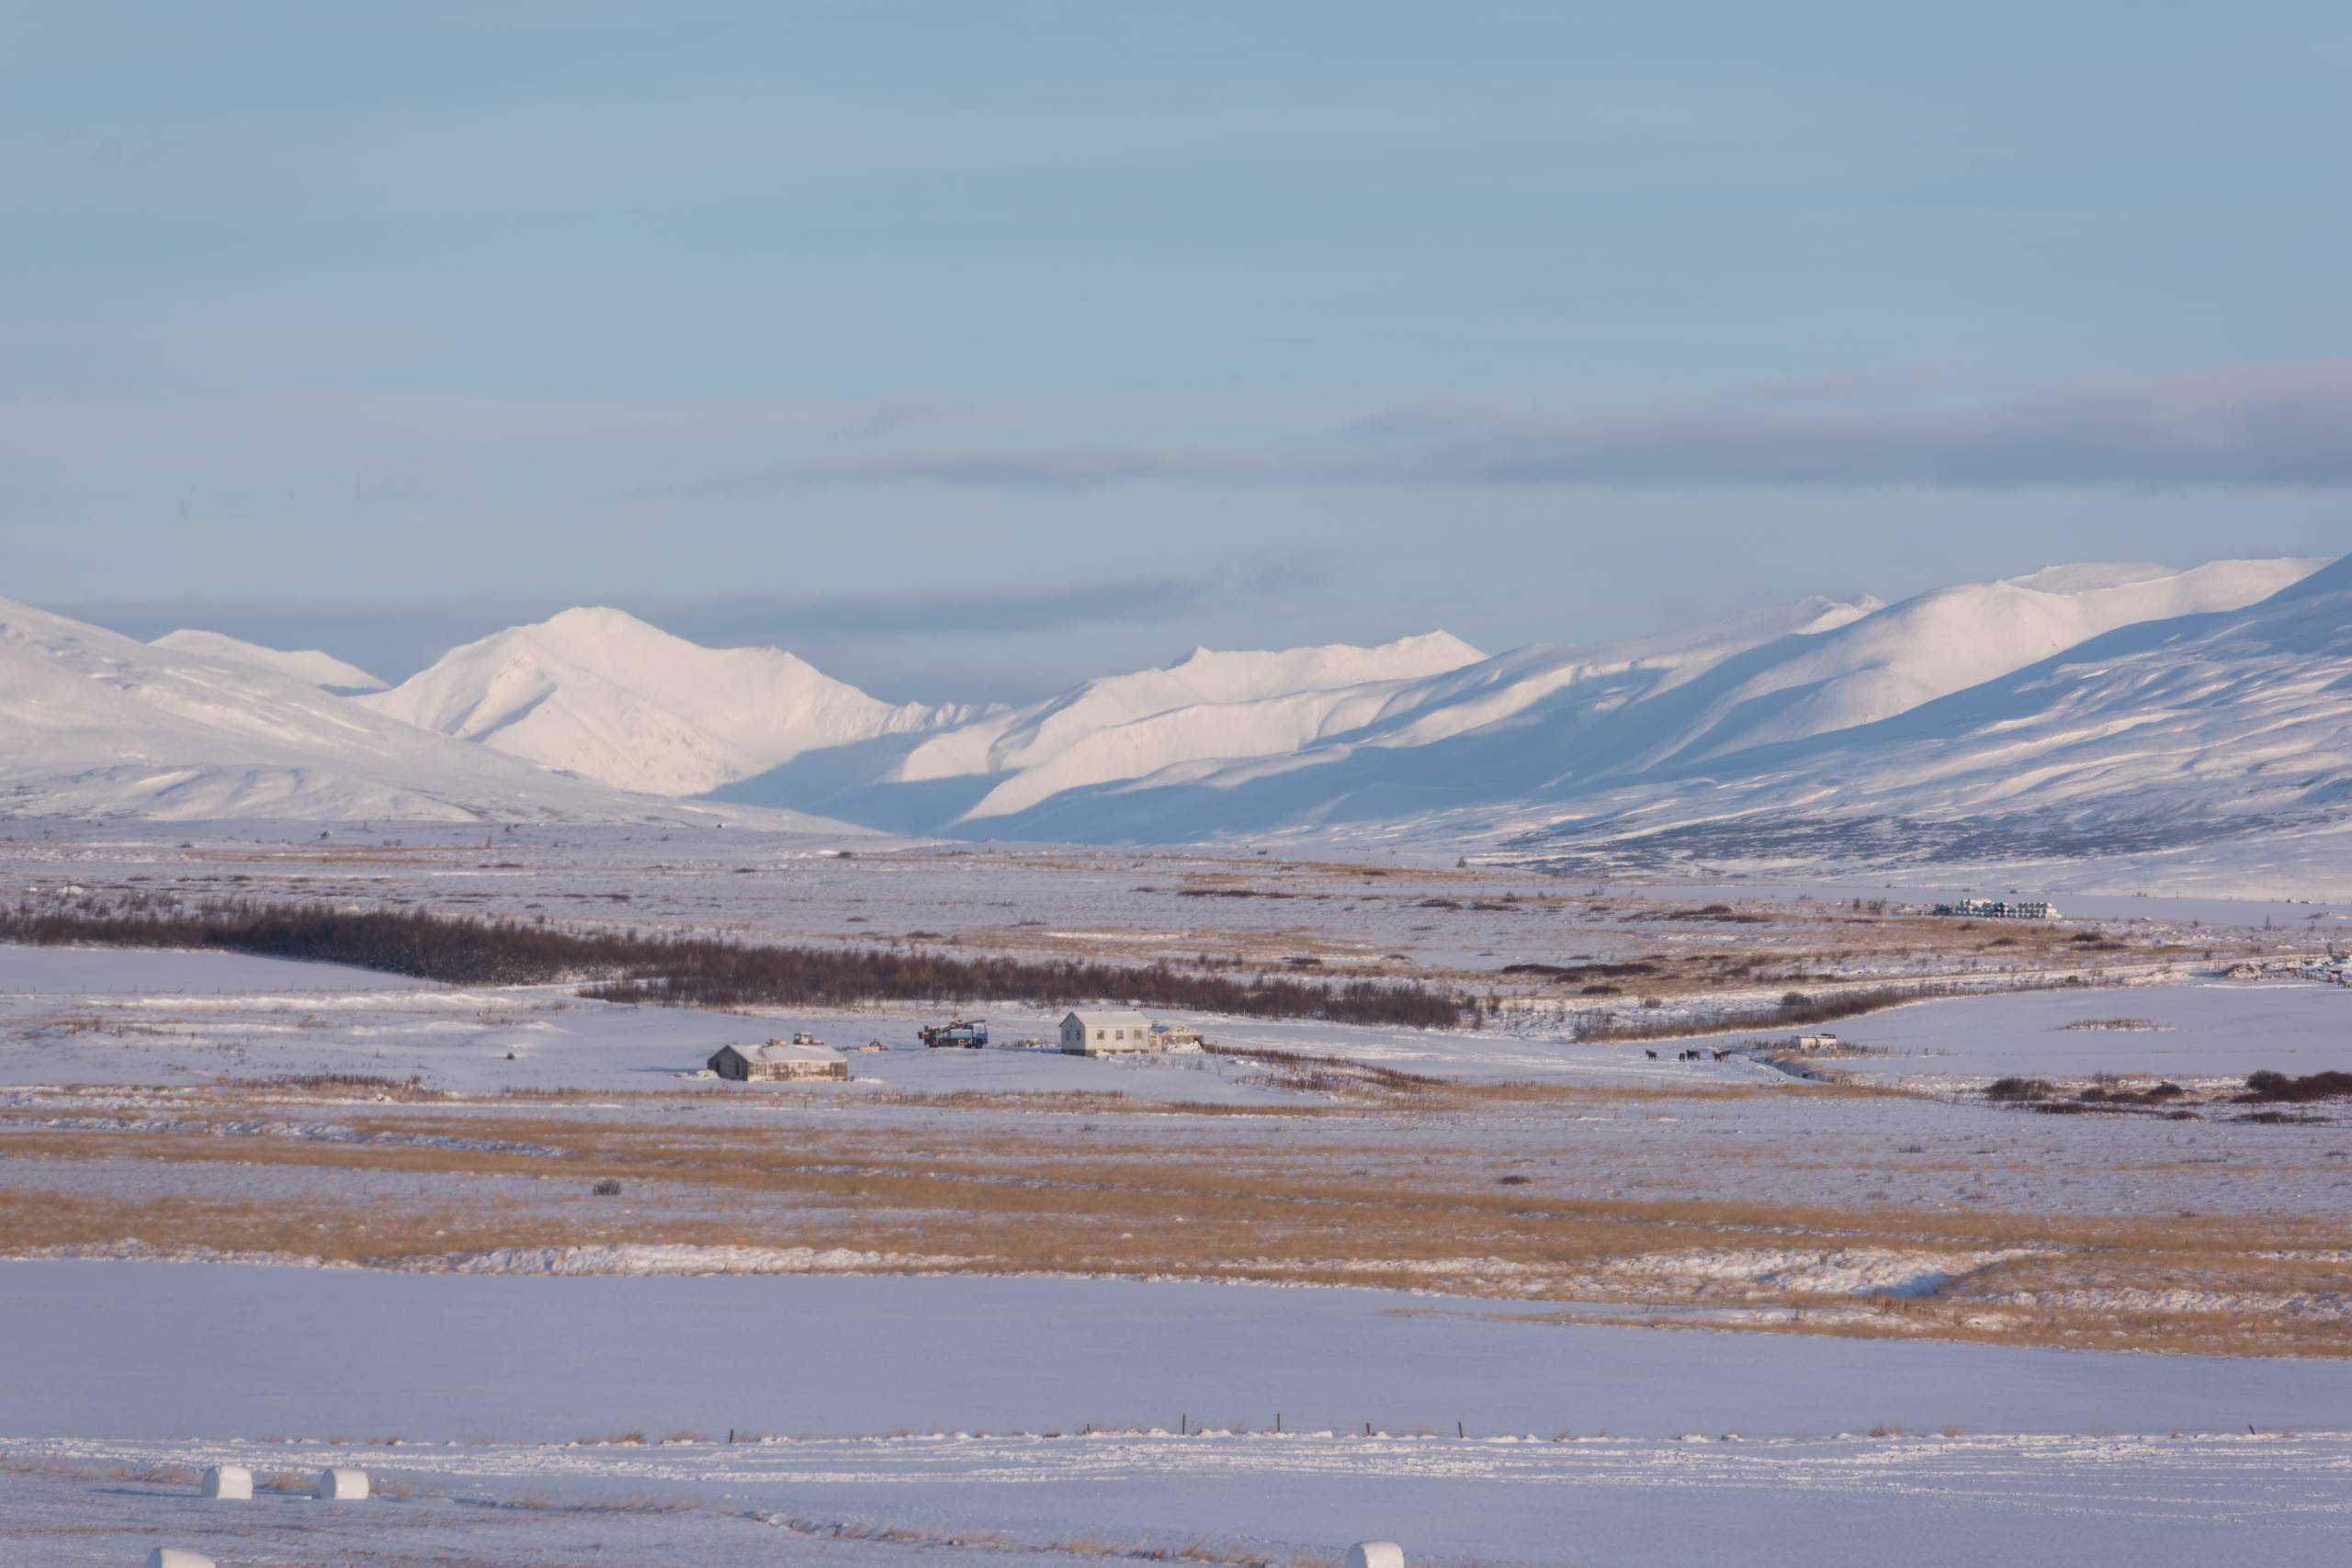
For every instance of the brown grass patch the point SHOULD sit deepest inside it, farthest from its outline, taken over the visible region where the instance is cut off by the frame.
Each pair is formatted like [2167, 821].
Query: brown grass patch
[1066, 1197]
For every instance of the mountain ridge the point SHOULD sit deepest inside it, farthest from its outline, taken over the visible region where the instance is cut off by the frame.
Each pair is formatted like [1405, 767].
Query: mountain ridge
[596, 691]
[93, 723]
[2100, 705]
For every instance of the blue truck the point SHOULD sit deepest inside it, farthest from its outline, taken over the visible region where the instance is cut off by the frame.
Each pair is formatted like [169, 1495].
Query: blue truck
[969, 1033]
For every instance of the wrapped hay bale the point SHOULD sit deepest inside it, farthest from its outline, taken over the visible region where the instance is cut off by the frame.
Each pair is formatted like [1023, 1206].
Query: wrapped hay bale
[229, 1481]
[173, 1557]
[1375, 1554]
[342, 1486]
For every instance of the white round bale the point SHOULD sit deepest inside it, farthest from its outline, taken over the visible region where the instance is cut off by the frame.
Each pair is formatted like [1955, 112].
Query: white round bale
[229, 1481]
[174, 1557]
[342, 1486]
[1375, 1554]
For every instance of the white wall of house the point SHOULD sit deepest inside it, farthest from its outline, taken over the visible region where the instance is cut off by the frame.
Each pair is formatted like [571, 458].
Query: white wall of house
[1099, 1034]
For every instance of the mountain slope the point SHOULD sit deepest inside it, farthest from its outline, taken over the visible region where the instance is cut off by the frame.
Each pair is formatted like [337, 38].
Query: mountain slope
[1499, 743]
[1957, 637]
[2158, 736]
[2076, 712]
[1209, 706]
[601, 693]
[312, 666]
[92, 723]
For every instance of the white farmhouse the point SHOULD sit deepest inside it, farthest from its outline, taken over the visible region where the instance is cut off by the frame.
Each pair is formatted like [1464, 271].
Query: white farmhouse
[1101, 1033]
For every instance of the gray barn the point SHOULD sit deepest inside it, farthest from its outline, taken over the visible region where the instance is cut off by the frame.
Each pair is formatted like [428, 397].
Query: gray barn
[776, 1062]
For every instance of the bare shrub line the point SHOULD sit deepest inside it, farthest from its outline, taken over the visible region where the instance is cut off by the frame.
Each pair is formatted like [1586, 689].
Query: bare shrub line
[695, 971]
[1798, 1009]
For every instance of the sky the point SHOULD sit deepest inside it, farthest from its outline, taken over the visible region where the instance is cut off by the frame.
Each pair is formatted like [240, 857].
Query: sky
[971, 349]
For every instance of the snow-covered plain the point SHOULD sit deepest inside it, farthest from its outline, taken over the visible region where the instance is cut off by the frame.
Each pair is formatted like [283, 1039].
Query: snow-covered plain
[1582, 1445]
[1935, 1502]
[2184, 1033]
[487, 1363]
[228, 1350]
[112, 1016]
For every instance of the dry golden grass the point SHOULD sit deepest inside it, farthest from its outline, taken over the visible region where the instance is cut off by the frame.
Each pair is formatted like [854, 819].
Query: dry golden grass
[1229, 1200]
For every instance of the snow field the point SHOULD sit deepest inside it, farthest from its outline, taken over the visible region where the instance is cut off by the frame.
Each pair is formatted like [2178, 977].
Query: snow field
[1593, 1446]
[1594, 1502]
[153, 1350]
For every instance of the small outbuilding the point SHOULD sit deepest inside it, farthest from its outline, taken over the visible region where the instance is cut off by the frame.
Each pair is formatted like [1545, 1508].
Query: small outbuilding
[778, 1062]
[1105, 1034]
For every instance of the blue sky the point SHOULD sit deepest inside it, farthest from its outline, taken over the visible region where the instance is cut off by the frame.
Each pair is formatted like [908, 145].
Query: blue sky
[967, 348]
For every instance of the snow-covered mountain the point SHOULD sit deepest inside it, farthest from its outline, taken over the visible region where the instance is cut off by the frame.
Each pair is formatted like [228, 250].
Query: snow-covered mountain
[1208, 708]
[1476, 744]
[2073, 712]
[2159, 738]
[601, 693]
[322, 670]
[95, 723]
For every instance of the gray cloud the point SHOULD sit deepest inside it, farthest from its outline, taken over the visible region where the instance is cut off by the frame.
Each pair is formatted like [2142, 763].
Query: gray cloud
[1067, 467]
[894, 413]
[2246, 427]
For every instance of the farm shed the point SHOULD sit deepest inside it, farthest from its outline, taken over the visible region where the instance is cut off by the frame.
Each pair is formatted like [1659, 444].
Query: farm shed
[776, 1062]
[1101, 1033]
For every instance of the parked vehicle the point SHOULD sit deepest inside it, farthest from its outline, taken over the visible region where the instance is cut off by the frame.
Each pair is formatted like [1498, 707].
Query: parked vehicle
[969, 1033]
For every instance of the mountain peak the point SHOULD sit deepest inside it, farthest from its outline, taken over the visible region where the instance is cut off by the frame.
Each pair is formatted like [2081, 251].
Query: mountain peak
[597, 692]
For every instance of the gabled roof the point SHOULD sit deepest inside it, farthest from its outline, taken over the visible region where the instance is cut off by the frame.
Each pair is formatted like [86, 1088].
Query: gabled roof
[777, 1051]
[1108, 1020]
